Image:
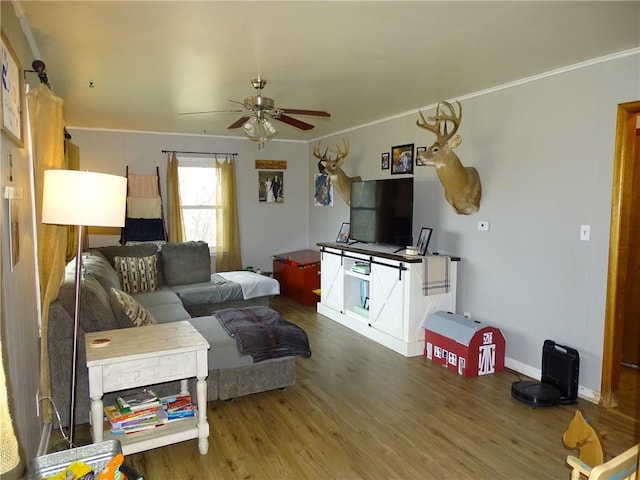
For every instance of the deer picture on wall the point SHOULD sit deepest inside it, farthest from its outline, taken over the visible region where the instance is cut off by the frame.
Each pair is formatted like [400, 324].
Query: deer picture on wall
[332, 166]
[462, 187]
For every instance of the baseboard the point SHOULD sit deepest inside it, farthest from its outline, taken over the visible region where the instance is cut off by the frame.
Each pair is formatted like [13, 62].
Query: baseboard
[536, 373]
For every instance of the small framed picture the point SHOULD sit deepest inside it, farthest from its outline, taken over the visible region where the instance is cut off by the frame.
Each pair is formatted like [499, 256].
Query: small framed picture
[402, 159]
[423, 240]
[343, 234]
[12, 87]
[384, 161]
[419, 162]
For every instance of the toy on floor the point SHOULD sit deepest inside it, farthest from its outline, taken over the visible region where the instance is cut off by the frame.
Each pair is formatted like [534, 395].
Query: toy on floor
[581, 435]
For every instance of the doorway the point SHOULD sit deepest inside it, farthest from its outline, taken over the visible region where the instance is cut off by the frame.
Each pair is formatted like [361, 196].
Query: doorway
[620, 386]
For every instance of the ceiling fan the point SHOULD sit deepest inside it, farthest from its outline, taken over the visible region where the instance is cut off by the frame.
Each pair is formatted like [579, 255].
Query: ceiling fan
[258, 112]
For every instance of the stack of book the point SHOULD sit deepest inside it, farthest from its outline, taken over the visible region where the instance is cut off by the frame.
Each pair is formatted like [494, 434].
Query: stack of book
[144, 411]
[178, 406]
[135, 413]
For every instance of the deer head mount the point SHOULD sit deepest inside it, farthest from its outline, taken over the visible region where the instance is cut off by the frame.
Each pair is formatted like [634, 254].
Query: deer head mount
[461, 184]
[332, 166]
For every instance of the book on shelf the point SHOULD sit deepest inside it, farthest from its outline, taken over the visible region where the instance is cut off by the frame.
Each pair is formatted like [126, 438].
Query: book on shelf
[192, 412]
[179, 406]
[159, 419]
[137, 401]
[114, 415]
[180, 402]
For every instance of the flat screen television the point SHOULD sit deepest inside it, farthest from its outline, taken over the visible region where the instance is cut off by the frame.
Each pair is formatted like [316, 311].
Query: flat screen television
[382, 211]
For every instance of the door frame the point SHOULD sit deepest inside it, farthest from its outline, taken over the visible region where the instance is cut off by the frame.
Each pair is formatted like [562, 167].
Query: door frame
[622, 197]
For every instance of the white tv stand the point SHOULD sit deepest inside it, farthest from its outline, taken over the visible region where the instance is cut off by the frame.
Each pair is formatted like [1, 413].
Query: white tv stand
[396, 308]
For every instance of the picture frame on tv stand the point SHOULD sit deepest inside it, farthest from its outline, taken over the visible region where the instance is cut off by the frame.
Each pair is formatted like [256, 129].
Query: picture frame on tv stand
[423, 240]
[343, 234]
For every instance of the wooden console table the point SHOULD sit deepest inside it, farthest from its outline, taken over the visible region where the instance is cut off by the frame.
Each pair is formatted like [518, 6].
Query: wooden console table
[141, 356]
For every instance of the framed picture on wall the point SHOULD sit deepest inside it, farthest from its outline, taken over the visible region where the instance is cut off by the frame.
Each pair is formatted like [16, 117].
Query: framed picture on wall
[384, 161]
[12, 88]
[402, 159]
[419, 150]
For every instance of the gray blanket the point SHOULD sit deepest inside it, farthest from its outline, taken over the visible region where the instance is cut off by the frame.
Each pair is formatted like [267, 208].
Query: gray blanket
[262, 333]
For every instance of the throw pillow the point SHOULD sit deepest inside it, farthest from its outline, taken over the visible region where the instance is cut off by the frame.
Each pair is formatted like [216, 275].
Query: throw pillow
[138, 315]
[185, 262]
[137, 274]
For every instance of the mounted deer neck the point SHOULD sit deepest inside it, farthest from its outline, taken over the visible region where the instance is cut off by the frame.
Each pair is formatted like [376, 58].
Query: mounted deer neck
[461, 184]
[332, 167]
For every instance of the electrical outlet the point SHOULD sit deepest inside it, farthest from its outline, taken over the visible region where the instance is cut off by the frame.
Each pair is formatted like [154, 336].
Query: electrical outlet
[483, 226]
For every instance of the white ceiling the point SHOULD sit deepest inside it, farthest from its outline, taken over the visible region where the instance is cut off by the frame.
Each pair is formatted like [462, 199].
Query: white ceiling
[360, 61]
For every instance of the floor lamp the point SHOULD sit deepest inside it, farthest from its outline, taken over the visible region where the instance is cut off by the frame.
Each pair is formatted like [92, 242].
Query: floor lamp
[83, 199]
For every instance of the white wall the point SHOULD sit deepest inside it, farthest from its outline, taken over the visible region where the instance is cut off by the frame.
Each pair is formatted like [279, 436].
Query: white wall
[19, 318]
[544, 150]
[265, 229]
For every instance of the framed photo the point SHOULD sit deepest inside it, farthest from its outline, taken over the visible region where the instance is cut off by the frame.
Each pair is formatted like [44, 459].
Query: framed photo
[270, 186]
[384, 161]
[12, 88]
[343, 234]
[402, 159]
[419, 150]
[423, 240]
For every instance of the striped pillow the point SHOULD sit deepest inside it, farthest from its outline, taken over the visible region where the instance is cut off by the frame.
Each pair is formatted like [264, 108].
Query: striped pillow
[138, 315]
[137, 274]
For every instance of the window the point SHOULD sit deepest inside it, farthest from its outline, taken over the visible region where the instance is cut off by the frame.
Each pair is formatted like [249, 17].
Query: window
[197, 184]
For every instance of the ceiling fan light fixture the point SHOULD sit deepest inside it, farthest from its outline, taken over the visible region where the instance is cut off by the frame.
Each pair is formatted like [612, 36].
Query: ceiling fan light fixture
[260, 130]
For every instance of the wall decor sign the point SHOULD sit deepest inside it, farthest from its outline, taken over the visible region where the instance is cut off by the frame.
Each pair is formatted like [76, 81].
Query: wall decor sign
[384, 161]
[11, 92]
[271, 164]
[402, 159]
[271, 186]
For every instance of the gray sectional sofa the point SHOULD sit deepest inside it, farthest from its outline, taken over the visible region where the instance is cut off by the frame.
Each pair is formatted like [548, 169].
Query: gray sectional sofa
[184, 283]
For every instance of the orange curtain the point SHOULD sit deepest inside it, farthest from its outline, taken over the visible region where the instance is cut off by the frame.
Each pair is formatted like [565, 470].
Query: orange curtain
[228, 256]
[174, 206]
[46, 126]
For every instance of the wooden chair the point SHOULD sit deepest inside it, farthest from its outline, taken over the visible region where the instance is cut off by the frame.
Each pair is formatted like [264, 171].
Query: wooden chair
[622, 467]
[583, 436]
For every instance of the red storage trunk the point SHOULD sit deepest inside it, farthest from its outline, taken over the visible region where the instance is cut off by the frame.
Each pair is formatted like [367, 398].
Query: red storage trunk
[299, 275]
[468, 347]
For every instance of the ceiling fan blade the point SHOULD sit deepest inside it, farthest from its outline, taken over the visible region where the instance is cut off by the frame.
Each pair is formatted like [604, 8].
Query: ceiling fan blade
[235, 101]
[238, 123]
[211, 111]
[295, 111]
[294, 122]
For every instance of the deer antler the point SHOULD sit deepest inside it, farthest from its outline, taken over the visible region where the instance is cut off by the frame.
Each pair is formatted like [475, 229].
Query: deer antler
[436, 127]
[341, 152]
[316, 152]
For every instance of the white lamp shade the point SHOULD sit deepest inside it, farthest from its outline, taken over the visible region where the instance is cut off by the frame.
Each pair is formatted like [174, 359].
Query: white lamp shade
[73, 197]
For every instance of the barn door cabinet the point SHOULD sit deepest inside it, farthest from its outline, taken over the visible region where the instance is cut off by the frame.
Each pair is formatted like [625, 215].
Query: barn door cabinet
[379, 295]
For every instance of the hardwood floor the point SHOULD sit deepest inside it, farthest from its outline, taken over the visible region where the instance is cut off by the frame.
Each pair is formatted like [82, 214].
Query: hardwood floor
[628, 398]
[361, 411]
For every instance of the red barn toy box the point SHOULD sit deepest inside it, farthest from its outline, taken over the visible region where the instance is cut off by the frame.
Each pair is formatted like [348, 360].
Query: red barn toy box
[468, 347]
